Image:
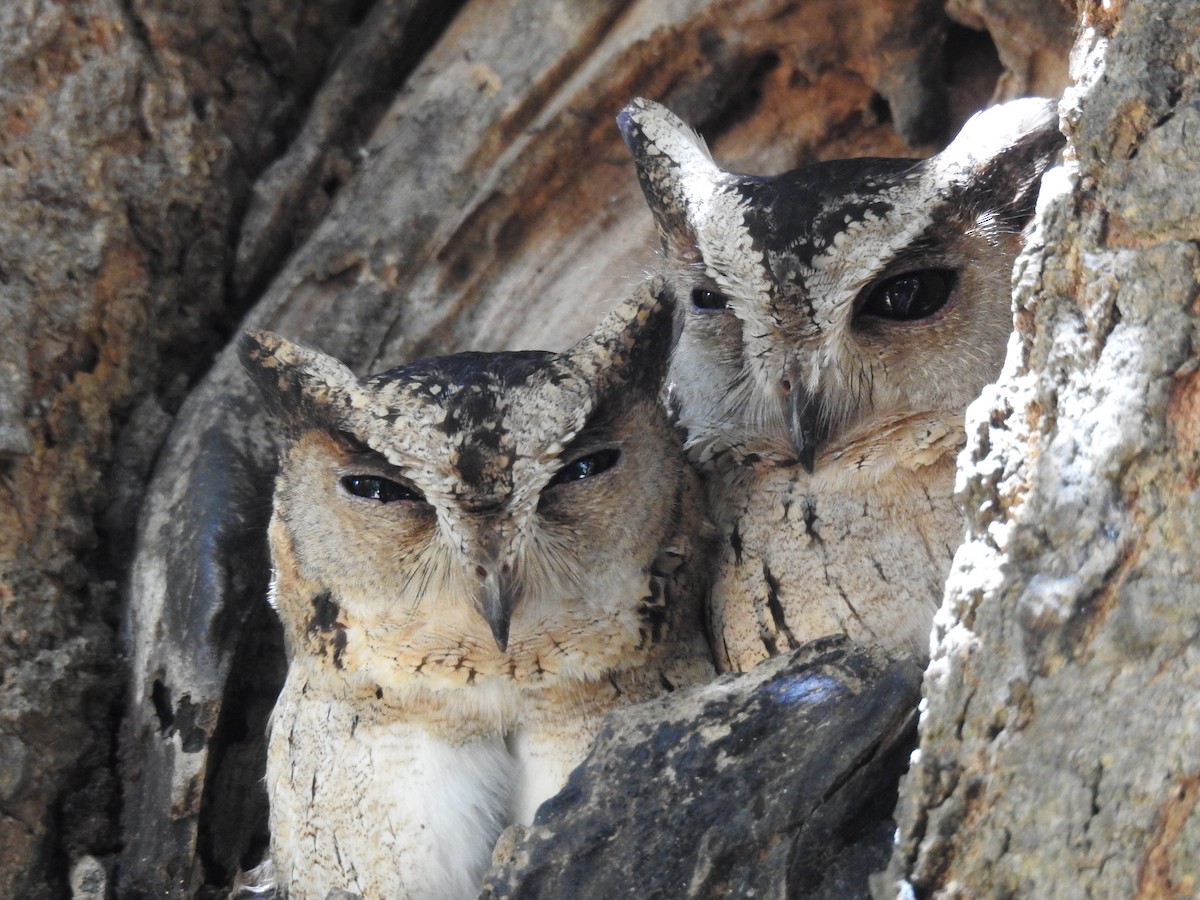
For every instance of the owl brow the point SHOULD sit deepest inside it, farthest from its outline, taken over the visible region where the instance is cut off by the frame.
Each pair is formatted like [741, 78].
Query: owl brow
[361, 454]
[598, 429]
[697, 270]
[926, 249]
[588, 438]
[988, 221]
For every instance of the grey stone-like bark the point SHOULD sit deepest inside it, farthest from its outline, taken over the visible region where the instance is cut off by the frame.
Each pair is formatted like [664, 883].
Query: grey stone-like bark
[1060, 746]
[775, 783]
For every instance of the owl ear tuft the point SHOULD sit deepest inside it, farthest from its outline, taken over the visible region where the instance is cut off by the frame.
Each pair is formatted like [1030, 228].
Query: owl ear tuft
[674, 168]
[1001, 154]
[299, 385]
[631, 347]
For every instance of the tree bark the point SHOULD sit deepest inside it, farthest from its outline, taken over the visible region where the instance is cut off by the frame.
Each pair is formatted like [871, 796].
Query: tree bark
[130, 134]
[1060, 742]
[772, 784]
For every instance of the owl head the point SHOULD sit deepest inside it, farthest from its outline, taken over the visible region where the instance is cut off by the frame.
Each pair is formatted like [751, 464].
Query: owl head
[841, 295]
[474, 514]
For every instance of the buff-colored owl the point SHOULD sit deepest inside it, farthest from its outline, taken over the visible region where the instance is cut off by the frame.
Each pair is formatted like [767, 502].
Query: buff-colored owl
[835, 321]
[475, 558]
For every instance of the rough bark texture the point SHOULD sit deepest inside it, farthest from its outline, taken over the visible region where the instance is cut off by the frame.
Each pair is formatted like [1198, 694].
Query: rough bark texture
[774, 784]
[1029, 41]
[1060, 744]
[385, 179]
[129, 137]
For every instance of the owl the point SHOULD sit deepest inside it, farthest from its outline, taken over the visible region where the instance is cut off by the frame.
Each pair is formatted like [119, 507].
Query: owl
[475, 557]
[834, 322]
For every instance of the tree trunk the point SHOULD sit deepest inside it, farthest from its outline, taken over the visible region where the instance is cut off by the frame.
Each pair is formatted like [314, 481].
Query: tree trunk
[131, 133]
[1060, 744]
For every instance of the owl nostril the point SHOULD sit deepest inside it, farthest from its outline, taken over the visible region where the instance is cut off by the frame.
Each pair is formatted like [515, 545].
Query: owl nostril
[481, 572]
[786, 385]
[505, 569]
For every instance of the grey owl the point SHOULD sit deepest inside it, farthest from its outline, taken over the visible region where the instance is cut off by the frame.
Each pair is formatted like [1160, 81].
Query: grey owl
[474, 558]
[834, 322]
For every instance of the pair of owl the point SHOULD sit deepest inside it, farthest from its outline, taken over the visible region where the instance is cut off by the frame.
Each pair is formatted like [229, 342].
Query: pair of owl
[477, 556]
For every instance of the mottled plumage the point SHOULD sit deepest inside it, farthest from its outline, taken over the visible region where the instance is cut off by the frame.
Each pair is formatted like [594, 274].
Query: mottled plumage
[841, 317]
[475, 558]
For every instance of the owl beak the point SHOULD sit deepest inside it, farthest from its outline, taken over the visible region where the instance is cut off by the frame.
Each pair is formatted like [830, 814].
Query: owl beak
[496, 599]
[805, 424]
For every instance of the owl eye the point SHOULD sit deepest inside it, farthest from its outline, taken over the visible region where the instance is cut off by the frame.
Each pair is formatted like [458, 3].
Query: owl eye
[909, 297]
[709, 301]
[372, 487]
[586, 467]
